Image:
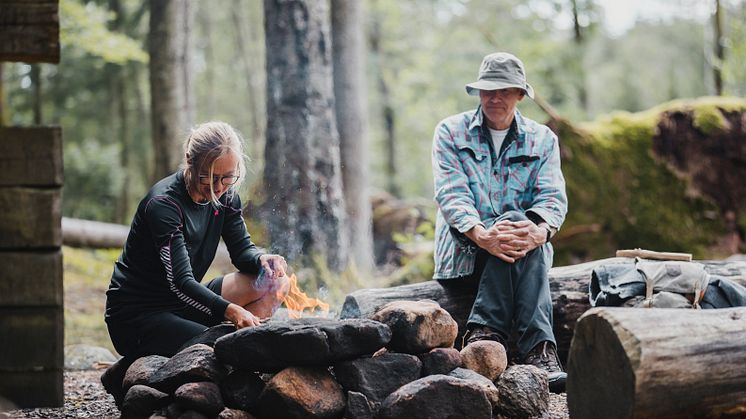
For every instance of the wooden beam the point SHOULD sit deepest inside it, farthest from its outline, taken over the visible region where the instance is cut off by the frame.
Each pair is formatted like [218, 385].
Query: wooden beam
[30, 31]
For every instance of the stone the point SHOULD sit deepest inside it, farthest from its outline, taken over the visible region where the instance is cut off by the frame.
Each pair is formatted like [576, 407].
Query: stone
[486, 357]
[202, 396]
[489, 388]
[141, 401]
[440, 361]
[302, 342]
[417, 326]
[86, 357]
[524, 392]
[142, 369]
[228, 413]
[195, 363]
[112, 379]
[301, 392]
[193, 414]
[241, 389]
[359, 407]
[437, 396]
[209, 336]
[378, 376]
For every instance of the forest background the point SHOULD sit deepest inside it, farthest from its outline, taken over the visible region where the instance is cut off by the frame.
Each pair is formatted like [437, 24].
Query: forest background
[602, 84]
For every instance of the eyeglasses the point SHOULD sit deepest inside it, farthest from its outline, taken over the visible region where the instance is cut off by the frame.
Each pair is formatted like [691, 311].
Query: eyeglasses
[225, 180]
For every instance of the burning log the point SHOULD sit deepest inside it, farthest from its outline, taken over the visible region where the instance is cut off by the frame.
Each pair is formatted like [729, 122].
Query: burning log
[634, 363]
[568, 285]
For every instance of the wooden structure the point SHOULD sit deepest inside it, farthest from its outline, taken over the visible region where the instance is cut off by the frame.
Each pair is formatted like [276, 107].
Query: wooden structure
[31, 304]
[658, 363]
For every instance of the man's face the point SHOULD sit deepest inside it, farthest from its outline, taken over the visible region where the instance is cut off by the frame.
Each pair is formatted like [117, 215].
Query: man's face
[499, 106]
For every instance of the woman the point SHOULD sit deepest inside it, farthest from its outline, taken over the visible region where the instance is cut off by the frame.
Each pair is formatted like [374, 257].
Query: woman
[155, 302]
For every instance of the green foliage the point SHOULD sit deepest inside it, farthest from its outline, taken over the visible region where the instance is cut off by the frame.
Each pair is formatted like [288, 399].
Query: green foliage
[91, 184]
[83, 30]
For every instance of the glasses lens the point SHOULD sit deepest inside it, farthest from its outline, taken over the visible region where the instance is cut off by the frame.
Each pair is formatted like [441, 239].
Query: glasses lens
[229, 180]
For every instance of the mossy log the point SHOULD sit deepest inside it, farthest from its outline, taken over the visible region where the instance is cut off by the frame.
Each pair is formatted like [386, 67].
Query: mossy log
[648, 363]
[568, 285]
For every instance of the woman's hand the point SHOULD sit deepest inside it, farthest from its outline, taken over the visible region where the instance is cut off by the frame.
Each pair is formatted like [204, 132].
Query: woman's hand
[274, 265]
[240, 317]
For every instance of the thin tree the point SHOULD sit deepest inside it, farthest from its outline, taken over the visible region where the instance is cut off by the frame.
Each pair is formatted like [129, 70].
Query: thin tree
[3, 107]
[168, 44]
[303, 185]
[719, 49]
[352, 122]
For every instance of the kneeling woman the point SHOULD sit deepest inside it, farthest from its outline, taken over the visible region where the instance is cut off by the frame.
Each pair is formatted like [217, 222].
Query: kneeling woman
[155, 302]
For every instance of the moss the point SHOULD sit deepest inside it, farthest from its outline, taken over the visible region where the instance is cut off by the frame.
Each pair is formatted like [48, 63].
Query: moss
[615, 181]
[709, 120]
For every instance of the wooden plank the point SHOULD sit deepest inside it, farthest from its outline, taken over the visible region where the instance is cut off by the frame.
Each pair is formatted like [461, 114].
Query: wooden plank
[31, 218]
[33, 388]
[32, 339]
[31, 279]
[30, 31]
[30, 156]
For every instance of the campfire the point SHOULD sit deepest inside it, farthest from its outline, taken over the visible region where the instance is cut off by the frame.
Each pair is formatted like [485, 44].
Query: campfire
[296, 301]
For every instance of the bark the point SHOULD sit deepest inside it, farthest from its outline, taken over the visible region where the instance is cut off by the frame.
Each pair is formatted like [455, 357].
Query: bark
[648, 363]
[387, 108]
[351, 98]
[568, 285]
[169, 76]
[3, 105]
[305, 202]
[579, 39]
[120, 114]
[36, 92]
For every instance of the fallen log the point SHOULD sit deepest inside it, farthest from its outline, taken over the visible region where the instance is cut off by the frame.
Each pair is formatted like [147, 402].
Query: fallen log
[568, 285]
[648, 363]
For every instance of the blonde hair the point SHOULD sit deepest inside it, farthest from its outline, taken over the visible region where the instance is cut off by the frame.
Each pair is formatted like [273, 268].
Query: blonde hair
[206, 143]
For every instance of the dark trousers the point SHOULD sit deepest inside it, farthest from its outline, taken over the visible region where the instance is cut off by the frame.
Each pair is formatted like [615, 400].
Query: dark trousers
[514, 297]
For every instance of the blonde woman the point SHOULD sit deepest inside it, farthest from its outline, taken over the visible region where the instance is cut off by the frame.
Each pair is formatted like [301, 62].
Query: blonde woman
[156, 301]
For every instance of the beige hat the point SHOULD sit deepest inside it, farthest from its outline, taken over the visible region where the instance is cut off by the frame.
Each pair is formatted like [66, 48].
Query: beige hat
[500, 70]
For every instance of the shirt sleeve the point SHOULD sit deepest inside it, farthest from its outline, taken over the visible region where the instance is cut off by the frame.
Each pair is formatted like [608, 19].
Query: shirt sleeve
[549, 197]
[165, 220]
[452, 193]
[244, 253]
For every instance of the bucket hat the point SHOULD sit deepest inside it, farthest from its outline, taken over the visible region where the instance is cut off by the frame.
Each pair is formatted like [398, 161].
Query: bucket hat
[500, 70]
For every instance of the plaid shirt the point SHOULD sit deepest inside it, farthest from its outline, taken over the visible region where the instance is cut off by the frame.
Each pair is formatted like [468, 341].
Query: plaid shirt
[474, 184]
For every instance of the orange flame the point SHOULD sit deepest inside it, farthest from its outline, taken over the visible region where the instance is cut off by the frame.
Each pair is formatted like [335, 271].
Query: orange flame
[297, 301]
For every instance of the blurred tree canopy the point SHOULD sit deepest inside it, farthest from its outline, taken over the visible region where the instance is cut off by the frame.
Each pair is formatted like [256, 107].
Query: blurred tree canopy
[427, 51]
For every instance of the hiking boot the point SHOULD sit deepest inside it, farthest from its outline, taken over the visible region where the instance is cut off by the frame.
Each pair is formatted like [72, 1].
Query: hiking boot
[477, 333]
[544, 356]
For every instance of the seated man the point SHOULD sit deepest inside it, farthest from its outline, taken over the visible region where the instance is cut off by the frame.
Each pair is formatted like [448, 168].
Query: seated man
[501, 197]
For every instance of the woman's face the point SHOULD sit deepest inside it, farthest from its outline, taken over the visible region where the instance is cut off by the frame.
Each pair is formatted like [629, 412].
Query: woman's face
[225, 173]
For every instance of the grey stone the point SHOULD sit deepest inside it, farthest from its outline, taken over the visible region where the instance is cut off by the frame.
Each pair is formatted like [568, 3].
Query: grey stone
[209, 336]
[417, 326]
[202, 396]
[524, 392]
[235, 414]
[378, 376]
[489, 388]
[437, 396]
[302, 342]
[195, 363]
[359, 407]
[141, 401]
[85, 357]
[142, 369]
[440, 361]
[241, 389]
[301, 392]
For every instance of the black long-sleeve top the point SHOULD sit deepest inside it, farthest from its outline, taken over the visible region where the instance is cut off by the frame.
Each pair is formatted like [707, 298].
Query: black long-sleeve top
[171, 244]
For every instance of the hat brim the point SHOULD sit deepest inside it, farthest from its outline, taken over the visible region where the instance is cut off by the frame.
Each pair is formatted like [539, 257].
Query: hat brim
[473, 88]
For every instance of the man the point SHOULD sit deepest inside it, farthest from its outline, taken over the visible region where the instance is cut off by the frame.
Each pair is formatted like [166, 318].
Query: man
[501, 197]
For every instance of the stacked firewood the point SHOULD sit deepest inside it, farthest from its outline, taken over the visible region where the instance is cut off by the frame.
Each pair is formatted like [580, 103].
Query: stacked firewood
[400, 363]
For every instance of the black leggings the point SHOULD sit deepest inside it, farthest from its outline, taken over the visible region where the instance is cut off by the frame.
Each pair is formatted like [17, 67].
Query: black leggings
[163, 332]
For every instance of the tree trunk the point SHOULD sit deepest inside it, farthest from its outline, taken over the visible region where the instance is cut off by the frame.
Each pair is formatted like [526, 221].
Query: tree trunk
[351, 97]
[169, 76]
[305, 203]
[36, 91]
[717, 65]
[568, 285]
[387, 108]
[579, 48]
[650, 363]
[120, 113]
[3, 106]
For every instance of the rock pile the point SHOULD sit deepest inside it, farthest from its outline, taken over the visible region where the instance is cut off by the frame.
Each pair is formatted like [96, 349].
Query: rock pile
[399, 364]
